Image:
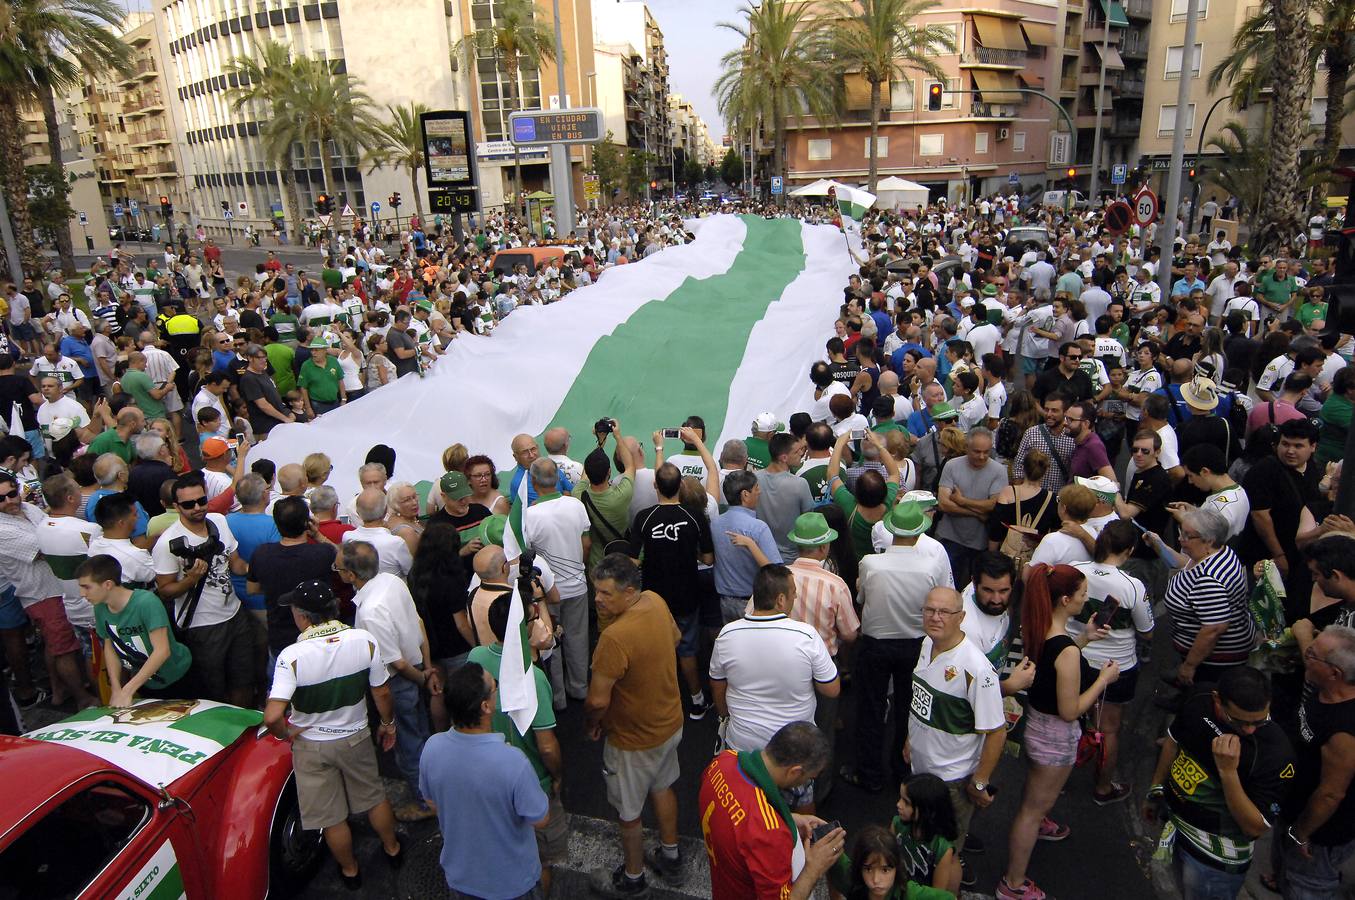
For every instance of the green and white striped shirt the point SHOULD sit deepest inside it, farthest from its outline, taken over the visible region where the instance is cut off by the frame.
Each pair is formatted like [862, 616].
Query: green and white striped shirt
[325, 676]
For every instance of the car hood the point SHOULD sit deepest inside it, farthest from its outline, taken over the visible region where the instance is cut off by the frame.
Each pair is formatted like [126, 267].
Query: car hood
[156, 741]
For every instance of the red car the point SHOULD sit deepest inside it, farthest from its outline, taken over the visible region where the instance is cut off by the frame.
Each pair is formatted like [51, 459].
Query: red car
[163, 800]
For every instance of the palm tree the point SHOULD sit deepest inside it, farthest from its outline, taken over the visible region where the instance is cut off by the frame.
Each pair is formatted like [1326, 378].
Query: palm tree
[1282, 202]
[515, 41]
[783, 68]
[318, 105]
[71, 41]
[401, 145]
[43, 47]
[878, 40]
[1249, 69]
[264, 79]
[1243, 168]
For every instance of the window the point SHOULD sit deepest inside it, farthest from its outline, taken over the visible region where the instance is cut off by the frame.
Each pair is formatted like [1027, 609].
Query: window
[1174, 55]
[953, 32]
[1181, 7]
[882, 150]
[931, 144]
[1166, 120]
[950, 93]
[901, 95]
[1319, 112]
[63, 851]
[821, 148]
[980, 142]
[1019, 142]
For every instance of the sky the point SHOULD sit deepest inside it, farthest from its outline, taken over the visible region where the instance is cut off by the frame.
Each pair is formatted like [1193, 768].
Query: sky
[695, 46]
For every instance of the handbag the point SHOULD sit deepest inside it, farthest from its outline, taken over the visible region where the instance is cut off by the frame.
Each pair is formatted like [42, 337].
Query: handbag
[1091, 747]
[1021, 540]
[618, 543]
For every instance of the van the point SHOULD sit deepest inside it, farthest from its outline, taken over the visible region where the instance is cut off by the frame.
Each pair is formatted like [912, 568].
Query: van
[1060, 199]
[535, 258]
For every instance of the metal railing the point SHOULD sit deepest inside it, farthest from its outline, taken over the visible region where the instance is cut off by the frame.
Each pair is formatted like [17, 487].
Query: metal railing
[992, 56]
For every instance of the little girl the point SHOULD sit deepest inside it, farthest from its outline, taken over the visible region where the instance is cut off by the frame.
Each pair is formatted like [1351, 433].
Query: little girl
[872, 871]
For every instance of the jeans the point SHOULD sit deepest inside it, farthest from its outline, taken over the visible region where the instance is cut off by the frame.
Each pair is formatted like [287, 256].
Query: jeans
[568, 665]
[961, 561]
[1201, 881]
[878, 661]
[411, 729]
[732, 608]
[825, 716]
[1318, 878]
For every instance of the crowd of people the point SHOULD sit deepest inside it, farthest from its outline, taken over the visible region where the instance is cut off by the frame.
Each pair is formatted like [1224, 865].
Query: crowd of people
[1017, 456]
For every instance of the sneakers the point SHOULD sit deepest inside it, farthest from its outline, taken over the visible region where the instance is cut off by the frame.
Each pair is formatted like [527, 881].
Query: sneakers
[1052, 831]
[698, 710]
[669, 870]
[39, 697]
[1028, 890]
[616, 884]
[967, 877]
[1116, 793]
[413, 811]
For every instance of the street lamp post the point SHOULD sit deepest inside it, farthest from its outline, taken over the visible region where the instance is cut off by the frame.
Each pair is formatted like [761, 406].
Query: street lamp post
[1100, 101]
[1167, 213]
[1199, 171]
[562, 174]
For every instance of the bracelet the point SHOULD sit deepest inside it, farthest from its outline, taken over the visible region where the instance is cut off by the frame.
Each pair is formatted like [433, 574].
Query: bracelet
[390, 724]
[1156, 790]
[1289, 833]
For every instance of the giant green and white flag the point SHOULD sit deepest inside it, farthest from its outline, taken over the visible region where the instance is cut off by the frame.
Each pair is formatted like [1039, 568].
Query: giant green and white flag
[853, 203]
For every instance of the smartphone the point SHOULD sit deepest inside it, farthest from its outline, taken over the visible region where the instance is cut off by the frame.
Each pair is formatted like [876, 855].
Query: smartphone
[1106, 612]
[826, 828]
[670, 434]
[858, 435]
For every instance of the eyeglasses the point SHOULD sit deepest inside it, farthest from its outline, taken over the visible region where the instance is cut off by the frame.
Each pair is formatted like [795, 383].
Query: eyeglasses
[1189, 535]
[1143, 450]
[1071, 421]
[935, 613]
[190, 504]
[1310, 653]
[9, 495]
[337, 567]
[1246, 723]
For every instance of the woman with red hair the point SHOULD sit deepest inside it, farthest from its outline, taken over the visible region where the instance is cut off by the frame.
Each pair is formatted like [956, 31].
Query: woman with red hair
[1065, 687]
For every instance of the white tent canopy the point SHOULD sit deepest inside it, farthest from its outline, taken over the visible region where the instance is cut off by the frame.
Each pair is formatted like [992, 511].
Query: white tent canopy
[817, 188]
[894, 192]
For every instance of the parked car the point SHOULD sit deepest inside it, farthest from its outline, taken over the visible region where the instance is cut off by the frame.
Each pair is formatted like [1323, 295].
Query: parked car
[535, 258]
[168, 798]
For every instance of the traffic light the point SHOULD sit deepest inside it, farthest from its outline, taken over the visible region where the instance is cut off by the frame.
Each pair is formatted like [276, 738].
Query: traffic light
[1192, 173]
[653, 185]
[225, 206]
[165, 206]
[934, 96]
[394, 200]
[1072, 172]
[323, 204]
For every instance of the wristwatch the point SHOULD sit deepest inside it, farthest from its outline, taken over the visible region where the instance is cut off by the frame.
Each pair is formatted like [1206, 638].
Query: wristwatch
[980, 785]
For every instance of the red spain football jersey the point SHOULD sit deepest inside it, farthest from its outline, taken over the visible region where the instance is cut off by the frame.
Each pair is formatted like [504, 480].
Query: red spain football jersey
[749, 845]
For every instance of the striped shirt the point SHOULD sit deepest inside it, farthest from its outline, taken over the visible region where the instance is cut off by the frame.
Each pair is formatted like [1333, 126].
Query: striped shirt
[1034, 439]
[1213, 591]
[325, 676]
[824, 602]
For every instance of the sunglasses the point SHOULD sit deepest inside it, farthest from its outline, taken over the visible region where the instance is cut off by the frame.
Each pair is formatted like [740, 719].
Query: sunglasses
[1143, 450]
[190, 504]
[8, 495]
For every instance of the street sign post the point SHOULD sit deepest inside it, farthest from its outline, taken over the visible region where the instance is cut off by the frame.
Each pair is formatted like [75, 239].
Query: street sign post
[117, 210]
[84, 219]
[229, 215]
[376, 207]
[449, 163]
[1013, 179]
[776, 185]
[1119, 173]
[134, 207]
[1145, 206]
[454, 200]
[243, 207]
[1118, 216]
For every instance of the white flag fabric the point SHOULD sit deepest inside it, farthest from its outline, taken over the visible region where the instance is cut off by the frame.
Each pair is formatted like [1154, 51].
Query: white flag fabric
[517, 685]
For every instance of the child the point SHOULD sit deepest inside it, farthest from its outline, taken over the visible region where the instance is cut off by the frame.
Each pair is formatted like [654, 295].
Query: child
[209, 424]
[297, 405]
[871, 872]
[926, 833]
[1110, 413]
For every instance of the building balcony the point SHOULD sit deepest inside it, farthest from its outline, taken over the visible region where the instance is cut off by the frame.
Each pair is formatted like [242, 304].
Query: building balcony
[1095, 33]
[1068, 84]
[156, 170]
[149, 138]
[979, 110]
[1072, 42]
[1135, 50]
[111, 178]
[1125, 128]
[984, 56]
[1138, 9]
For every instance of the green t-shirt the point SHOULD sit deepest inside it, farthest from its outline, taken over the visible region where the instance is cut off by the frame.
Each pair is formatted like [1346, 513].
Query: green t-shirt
[886, 427]
[332, 278]
[1276, 291]
[286, 324]
[840, 877]
[612, 505]
[1310, 311]
[1331, 444]
[857, 525]
[759, 454]
[132, 627]
[281, 357]
[321, 382]
[108, 441]
[815, 471]
[138, 385]
[489, 658]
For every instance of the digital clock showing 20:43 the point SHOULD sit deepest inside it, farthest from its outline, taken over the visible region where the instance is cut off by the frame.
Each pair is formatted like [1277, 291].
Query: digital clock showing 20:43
[452, 201]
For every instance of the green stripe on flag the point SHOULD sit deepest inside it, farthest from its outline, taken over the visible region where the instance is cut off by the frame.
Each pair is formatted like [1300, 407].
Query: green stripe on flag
[336, 693]
[88, 715]
[222, 724]
[676, 358]
[64, 567]
[169, 887]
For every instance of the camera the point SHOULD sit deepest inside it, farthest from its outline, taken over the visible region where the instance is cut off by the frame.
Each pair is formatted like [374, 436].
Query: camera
[603, 426]
[206, 551]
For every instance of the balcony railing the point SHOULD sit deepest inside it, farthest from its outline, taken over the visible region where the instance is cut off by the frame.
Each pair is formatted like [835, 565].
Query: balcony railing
[1139, 9]
[980, 110]
[1125, 127]
[989, 56]
[1134, 50]
[150, 136]
[1068, 84]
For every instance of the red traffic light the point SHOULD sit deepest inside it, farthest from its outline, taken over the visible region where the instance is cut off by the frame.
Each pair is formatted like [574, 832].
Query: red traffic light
[653, 185]
[1072, 172]
[164, 201]
[934, 96]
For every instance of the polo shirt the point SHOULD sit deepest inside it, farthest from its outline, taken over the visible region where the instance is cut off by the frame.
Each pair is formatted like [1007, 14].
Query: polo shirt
[490, 658]
[109, 441]
[385, 609]
[251, 530]
[488, 797]
[392, 553]
[325, 676]
[770, 664]
[956, 696]
[893, 586]
[321, 382]
[734, 566]
[64, 542]
[138, 385]
[65, 369]
[1233, 504]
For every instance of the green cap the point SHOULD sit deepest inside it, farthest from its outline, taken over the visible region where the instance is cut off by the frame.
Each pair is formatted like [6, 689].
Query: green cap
[943, 410]
[454, 486]
[487, 531]
[990, 290]
[811, 530]
[318, 343]
[426, 305]
[907, 519]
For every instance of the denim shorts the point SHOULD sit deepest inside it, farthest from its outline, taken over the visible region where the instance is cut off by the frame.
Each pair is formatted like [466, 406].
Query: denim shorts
[11, 610]
[690, 626]
[1049, 740]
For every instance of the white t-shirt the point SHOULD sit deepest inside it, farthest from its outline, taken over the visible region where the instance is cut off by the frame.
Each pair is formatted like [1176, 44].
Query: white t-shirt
[690, 464]
[984, 339]
[392, 552]
[770, 664]
[1233, 505]
[819, 411]
[205, 399]
[66, 407]
[995, 398]
[973, 411]
[1220, 291]
[64, 542]
[1135, 614]
[987, 631]
[1247, 305]
[1144, 381]
[137, 566]
[553, 529]
[1274, 374]
[1109, 348]
[1057, 547]
[955, 697]
[218, 602]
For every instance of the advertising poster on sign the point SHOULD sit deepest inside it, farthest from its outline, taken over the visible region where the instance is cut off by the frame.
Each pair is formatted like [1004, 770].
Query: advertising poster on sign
[447, 149]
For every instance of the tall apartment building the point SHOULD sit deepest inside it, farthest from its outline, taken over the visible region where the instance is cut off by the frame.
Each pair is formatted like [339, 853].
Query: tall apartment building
[689, 134]
[632, 78]
[1207, 112]
[1118, 33]
[985, 132]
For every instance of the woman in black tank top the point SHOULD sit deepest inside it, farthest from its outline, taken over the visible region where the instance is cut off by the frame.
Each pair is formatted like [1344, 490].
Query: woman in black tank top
[1065, 687]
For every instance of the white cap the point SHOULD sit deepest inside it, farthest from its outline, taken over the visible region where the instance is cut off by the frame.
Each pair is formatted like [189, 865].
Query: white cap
[768, 422]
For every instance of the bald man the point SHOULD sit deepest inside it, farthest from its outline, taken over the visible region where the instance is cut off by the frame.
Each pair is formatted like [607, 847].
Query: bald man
[392, 553]
[557, 448]
[520, 487]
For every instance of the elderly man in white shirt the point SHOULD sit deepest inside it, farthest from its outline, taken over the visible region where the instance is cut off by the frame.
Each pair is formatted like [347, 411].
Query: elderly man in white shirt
[392, 552]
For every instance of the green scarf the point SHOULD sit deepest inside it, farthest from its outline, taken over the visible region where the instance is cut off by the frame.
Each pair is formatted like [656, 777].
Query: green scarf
[753, 766]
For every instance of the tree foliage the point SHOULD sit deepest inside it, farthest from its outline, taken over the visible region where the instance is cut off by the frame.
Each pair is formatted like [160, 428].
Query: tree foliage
[609, 166]
[49, 201]
[731, 168]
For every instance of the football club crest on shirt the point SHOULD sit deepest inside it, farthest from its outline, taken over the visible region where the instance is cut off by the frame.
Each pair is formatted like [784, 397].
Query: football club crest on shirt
[951, 672]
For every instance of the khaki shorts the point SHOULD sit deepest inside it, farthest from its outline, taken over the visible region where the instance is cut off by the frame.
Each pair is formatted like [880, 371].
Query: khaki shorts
[336, 779]
[632, 775]
[552, 839]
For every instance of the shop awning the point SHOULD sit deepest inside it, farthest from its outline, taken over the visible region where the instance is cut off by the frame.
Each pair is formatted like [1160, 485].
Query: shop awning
[1115, 13]
[996, 87]
[1114, 62]
[1041, 34]
[999, 34]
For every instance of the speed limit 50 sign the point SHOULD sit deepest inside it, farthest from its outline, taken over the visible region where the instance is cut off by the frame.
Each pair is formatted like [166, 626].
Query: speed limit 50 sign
[1145, 206]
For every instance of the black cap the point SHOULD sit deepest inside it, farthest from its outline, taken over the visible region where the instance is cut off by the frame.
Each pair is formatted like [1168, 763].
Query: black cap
[311, 596]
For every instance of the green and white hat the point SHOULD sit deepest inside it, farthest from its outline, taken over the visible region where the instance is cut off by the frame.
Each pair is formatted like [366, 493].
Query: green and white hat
[1100, 485]
[907, 519]
[924, 499]
[811, 530]
[488, 530]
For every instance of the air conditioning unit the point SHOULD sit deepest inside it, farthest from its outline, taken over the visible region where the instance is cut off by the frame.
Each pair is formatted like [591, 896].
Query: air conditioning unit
[1003, 133]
